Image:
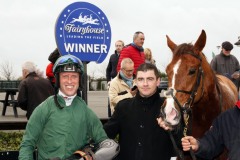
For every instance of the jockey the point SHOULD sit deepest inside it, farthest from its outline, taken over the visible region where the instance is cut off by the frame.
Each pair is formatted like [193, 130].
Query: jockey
[63, 123]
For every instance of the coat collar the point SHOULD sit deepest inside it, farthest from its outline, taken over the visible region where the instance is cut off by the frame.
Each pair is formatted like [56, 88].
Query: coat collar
[31, 74]
[148, 100]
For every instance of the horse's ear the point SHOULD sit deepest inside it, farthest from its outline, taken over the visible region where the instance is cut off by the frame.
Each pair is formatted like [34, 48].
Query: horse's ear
[171, 44]
[200, 44]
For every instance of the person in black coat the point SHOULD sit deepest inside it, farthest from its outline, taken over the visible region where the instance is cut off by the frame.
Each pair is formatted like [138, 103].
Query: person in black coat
[135, 121]
[224, 133]
[111, 71]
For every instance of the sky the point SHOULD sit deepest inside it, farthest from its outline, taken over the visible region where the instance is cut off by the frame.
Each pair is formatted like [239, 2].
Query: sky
[27, 28]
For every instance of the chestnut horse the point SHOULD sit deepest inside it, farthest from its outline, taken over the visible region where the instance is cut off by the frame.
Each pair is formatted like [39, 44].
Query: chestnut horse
[194, 87]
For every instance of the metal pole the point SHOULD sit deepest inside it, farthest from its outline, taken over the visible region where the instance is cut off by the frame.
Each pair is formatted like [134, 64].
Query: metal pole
[85, 83]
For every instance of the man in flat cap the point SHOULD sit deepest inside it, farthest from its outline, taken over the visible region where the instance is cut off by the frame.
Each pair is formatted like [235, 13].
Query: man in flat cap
[226, 64]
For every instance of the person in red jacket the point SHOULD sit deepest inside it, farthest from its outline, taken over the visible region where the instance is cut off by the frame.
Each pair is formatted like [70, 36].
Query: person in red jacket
[134, 51]
[52, 58]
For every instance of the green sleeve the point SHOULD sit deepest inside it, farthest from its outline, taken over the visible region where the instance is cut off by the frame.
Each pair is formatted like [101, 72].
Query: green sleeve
[96, 128]
[33, 131]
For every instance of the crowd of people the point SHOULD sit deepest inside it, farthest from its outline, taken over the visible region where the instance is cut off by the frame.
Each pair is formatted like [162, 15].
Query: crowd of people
[61, 125]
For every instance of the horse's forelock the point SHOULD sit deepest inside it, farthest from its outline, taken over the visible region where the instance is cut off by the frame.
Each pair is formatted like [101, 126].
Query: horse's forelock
[183, 48]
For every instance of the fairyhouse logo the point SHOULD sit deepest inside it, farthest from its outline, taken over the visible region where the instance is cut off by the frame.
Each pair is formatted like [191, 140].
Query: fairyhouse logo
[83, 30]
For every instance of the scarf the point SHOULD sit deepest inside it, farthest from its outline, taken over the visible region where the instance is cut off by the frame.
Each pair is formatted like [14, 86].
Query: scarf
[128, 81]
[137, 47]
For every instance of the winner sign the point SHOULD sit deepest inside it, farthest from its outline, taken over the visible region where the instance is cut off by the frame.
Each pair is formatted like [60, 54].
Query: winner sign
[83, 30]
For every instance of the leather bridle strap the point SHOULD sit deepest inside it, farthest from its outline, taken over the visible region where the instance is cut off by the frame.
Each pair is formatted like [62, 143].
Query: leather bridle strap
[186, 109]
[178, 151]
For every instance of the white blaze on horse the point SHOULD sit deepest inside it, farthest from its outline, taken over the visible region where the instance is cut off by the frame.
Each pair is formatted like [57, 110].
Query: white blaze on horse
[194, 89]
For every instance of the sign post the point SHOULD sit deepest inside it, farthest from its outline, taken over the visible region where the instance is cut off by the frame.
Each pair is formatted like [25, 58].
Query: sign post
[83, 30]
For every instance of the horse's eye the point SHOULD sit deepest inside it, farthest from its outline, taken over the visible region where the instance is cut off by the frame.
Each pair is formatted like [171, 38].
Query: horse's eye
[191, 71]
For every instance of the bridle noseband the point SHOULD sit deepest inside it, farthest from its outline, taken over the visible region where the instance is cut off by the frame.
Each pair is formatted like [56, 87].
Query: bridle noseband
[186, 111]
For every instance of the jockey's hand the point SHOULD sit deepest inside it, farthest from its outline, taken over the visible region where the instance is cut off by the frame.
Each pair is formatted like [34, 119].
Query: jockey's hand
[188, 142]
[162, 124]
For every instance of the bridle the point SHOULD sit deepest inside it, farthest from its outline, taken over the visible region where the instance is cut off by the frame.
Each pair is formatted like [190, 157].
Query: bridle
[189, 103]
[186, 111]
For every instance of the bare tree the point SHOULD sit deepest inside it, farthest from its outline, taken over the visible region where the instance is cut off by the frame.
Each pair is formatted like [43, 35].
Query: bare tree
[6, 70]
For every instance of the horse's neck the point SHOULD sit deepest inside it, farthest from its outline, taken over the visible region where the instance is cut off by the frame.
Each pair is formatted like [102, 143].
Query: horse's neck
[205, 111]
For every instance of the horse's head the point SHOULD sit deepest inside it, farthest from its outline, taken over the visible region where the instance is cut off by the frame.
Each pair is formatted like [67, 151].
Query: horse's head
[184, 79]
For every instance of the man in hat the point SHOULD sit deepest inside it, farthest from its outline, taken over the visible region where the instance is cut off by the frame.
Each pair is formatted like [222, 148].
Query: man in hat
[226, 64]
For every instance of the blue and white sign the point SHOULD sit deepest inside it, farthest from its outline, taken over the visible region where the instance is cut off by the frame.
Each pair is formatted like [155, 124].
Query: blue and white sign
[83, 30]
